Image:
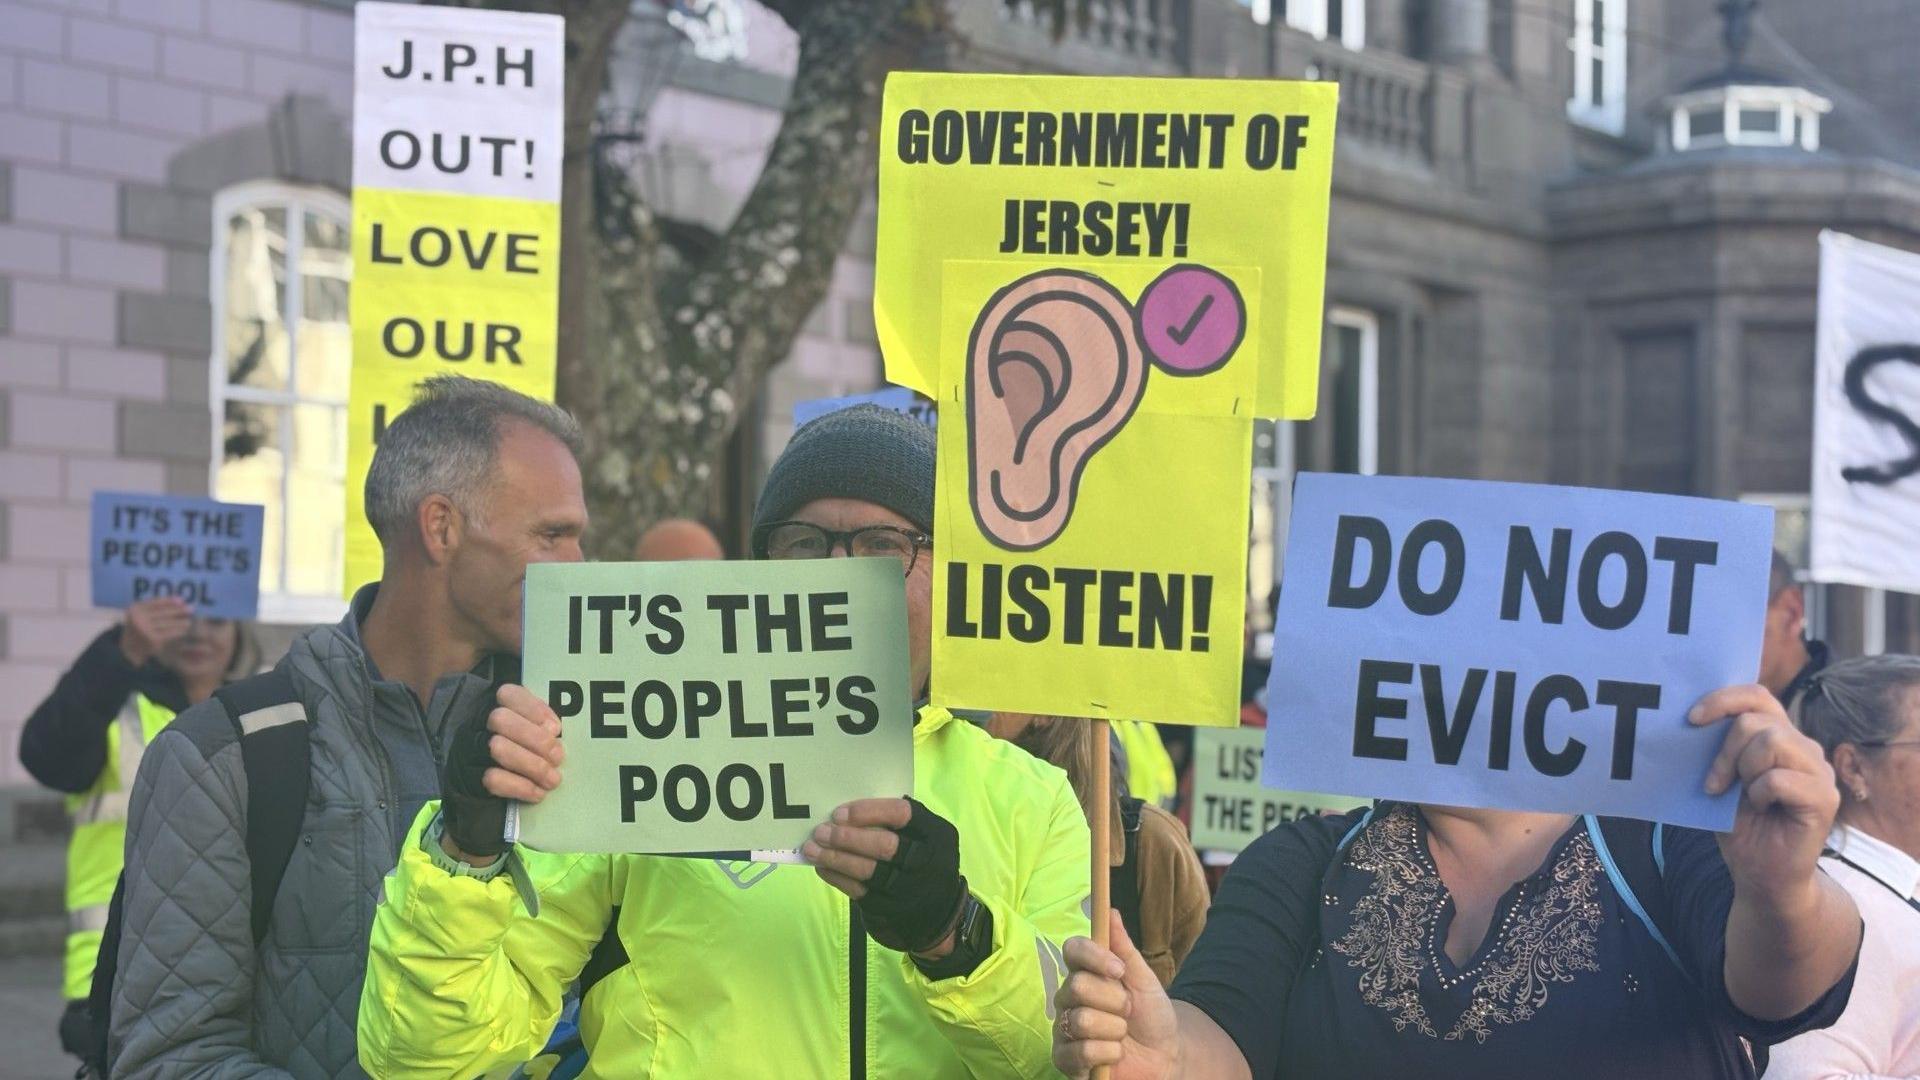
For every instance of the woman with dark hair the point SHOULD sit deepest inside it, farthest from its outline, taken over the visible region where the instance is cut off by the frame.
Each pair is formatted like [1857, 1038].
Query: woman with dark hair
[1158, 886]
[86, 740]
[1865, 714]
[1423, 940]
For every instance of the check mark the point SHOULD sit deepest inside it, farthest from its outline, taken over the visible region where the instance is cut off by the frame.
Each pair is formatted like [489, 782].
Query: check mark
[1182, 333]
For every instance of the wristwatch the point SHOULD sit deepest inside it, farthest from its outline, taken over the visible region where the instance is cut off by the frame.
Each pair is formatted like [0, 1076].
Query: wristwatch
[972, 943]
[430, 838]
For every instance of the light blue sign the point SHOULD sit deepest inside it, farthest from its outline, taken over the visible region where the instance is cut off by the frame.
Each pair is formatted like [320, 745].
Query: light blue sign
[206, 552]
[898, 398]
[1513, 646]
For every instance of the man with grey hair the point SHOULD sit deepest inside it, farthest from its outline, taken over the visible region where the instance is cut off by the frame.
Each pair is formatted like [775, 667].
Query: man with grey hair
[1788, 658]
[223, 973]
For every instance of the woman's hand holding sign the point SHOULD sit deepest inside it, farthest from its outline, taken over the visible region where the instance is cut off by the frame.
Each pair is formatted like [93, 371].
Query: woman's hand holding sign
[1785, 912]
[1787, 798]
[512, 752]
[1113, 1011]
[151, 625]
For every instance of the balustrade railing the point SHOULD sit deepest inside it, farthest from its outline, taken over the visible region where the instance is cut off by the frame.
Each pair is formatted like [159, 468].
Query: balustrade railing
[1383, 97]
[1144, 28]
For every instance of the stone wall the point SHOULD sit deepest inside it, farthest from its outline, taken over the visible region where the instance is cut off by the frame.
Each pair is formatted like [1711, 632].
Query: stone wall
[118, 120]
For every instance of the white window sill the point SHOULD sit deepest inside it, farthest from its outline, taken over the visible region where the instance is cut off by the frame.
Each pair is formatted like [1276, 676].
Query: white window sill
[298, 610]
[1600, 120]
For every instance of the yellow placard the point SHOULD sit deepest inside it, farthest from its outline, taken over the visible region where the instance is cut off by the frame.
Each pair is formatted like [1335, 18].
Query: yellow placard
[1052, 170]
[1231, 807]
[1102, 282]
[443, 284]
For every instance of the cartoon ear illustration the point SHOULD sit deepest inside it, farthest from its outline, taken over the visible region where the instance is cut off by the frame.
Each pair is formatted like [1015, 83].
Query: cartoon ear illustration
[1054, 370]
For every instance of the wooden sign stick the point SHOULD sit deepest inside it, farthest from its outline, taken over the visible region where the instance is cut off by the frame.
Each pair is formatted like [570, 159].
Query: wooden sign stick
[1102, 825]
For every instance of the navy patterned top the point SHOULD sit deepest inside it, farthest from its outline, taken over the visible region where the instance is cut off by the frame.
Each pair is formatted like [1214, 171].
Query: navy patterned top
[1319, 970]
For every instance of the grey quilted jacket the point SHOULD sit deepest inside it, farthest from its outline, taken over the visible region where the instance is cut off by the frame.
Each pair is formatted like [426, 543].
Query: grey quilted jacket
[193, 996]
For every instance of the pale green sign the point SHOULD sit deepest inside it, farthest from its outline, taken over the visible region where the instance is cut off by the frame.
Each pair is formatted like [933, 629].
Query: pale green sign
[716, 706]
[1230, 808]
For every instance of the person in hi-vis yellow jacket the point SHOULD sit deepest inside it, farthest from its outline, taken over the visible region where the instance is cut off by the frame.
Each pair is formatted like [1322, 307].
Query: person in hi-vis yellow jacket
[87, 740]
[943, 963]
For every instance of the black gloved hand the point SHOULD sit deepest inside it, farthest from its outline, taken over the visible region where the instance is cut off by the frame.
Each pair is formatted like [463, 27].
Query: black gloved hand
[474, 819]
[79, 1033]
[914, 899]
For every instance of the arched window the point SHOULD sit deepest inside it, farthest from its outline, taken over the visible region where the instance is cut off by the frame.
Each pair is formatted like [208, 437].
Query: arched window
[281, 263]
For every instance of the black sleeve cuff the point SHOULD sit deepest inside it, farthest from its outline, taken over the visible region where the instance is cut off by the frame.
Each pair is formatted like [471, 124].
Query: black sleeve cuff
[972, 944]
[1823, 1013]
[104, 660]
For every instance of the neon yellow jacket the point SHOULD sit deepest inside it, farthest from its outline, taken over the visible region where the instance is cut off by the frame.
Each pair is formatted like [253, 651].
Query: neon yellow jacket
[96, 850]
[1150, 775]
[738, 969]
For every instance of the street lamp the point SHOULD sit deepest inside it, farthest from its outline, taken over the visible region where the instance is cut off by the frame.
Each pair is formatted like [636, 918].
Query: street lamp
[644, 55]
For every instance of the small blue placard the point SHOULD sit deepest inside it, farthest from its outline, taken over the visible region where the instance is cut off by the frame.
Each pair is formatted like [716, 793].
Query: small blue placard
[1512, 646]
[898, 398]
[204, 551]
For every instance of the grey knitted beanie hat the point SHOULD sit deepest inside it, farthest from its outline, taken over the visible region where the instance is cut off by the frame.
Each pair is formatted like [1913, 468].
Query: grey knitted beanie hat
[865, 452]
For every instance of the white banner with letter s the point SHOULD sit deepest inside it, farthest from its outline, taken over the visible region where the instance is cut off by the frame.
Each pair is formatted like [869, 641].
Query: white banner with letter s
[1866, 417]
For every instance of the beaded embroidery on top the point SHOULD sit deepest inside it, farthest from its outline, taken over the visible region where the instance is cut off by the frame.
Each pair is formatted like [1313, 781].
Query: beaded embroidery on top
[1547, 936]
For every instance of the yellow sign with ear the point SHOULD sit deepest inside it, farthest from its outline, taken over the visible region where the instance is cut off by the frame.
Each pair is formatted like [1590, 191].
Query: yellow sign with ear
[1101, 282]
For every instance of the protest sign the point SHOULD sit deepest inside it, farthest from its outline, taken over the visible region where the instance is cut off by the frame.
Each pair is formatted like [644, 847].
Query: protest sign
[897, 398]
[456, 216]
[1230, 808]
[1865, 505]
[203, 551]
[1513, 646]
[1102, 281]
[714, 706]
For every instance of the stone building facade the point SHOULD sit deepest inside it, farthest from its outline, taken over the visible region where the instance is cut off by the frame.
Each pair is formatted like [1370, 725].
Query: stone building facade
[174, 265]
[1526, 280]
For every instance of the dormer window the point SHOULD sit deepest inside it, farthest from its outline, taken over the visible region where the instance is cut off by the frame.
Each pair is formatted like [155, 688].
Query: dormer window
[1735, 114]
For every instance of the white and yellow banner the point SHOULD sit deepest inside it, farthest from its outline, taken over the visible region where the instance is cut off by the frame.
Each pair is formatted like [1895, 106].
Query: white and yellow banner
[456, 216]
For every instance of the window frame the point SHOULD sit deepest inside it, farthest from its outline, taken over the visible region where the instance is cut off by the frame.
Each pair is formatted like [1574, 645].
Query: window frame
[1367, 411]
[1796, 117]
[1367, 416]
[1873, 609]
[1609, 113]
[1278, 476]
[298, 199]
[1311, 17]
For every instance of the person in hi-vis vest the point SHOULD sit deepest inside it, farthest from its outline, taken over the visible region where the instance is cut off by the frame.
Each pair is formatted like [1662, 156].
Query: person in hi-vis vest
[86, 739]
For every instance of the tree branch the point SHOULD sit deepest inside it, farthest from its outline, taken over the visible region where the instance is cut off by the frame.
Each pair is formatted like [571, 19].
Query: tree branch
[665, 331]
[742, 307]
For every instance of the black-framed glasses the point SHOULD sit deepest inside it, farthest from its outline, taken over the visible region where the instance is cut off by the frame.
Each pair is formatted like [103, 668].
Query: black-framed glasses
[1887, 744]
[805, 540]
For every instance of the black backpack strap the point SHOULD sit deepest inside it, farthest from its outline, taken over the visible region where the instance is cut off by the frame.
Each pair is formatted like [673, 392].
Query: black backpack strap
[1124, 890]
[100, 992]
[271, 724]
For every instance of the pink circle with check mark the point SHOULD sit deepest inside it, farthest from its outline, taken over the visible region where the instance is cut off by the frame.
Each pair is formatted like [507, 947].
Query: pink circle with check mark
[1191, 320]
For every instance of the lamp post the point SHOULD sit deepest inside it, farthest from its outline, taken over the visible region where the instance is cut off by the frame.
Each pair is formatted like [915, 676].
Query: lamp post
[1737, 28]
[645, 53]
